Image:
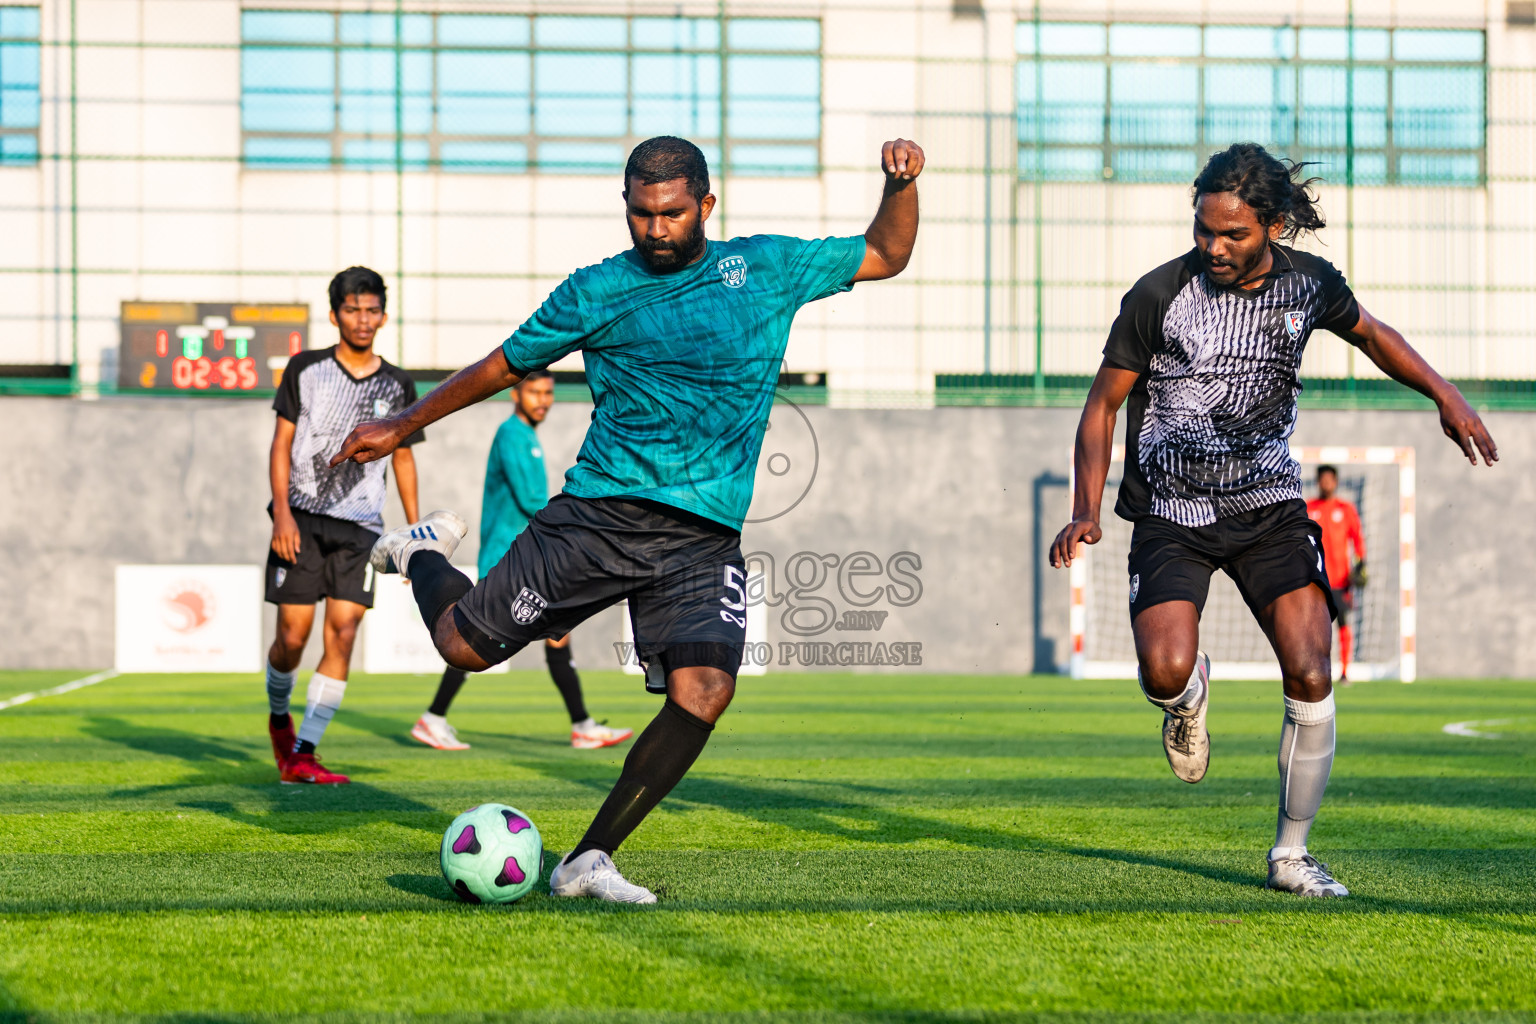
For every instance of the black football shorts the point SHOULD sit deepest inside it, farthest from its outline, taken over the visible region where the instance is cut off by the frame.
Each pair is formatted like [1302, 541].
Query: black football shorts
[684, 578]
[1268, 552]
[332, 562]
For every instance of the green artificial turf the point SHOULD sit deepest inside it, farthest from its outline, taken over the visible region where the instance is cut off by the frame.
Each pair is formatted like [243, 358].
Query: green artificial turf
[849, 848]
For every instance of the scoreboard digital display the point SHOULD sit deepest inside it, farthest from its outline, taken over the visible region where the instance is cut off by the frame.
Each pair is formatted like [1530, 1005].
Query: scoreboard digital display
[208, 346]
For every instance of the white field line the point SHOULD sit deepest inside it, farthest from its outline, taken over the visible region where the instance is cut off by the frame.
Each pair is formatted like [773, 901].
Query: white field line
[1465, 728]
[73, 684]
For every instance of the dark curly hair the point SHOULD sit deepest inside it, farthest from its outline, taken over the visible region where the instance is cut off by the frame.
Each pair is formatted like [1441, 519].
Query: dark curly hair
[1272, 187]
[666, 158]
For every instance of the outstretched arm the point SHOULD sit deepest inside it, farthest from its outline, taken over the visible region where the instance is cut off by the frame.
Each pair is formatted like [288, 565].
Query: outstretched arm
[1387, 349]
[891, 235]
[1090, 460]
[475, 383]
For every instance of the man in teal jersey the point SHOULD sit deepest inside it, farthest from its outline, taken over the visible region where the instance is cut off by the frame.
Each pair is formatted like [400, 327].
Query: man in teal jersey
[515, 489]
[682, 339]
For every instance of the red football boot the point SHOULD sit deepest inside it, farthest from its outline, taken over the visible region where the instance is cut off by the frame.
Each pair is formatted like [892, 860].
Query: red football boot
[306, 768]
[283, 740]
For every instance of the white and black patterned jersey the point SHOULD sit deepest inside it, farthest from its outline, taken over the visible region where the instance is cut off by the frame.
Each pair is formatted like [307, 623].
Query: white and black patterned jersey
[1209, 420]
[324, 402]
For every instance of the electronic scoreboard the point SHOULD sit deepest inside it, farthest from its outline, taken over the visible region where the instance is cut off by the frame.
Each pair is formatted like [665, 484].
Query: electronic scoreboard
[208, 346]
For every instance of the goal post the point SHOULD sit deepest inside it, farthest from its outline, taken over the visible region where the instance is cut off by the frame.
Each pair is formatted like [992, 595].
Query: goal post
[1378, 480]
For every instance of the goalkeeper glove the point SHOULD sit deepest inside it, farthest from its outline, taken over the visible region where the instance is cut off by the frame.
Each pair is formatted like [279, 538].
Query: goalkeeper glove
[1358, 577]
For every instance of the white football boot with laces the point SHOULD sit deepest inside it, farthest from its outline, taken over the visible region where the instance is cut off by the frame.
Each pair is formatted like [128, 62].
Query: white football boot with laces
[1303, 875]
[1186, 740]
[435, 531]
[593, 874]
[434, 731]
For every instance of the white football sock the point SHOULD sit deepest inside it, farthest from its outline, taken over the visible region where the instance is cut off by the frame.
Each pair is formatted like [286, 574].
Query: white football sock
[279, 688]
[1306, 758]
[585, 725]
[325, 696]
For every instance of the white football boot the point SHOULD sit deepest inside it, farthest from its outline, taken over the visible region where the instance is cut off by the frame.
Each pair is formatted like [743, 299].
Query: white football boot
[1303, 875]
[596, 736]
[436, 531]
[593, 874]
[1186, 740]
[434, 731]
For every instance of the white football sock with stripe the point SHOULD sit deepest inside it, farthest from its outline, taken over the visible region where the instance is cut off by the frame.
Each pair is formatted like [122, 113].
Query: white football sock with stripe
[325, 696]
[1306, 758]
[279, 689]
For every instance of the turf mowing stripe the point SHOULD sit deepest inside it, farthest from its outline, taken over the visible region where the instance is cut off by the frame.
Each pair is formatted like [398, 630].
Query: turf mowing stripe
[73, 684]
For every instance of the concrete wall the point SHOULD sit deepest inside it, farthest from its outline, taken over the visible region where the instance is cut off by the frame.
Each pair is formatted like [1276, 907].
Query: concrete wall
[973, 493]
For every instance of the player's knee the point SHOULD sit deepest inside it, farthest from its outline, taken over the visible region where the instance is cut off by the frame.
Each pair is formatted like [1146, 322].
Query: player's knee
[340, 636]
[450, 643]
[1165, 672]
[1310, 683]
[289, 642]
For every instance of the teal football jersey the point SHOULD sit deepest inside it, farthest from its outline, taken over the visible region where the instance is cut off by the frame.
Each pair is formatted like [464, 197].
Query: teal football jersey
[682, 366]
[515, 488]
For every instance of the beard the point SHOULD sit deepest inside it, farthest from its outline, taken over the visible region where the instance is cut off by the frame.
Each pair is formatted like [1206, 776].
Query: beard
[665, 256]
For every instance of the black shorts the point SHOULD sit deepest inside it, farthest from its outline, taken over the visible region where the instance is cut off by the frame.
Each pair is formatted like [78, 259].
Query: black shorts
[683, 576]
[333, 562]
[1268, 552]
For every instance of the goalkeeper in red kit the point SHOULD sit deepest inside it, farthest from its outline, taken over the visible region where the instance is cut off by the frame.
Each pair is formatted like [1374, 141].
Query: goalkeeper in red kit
[1341, 531]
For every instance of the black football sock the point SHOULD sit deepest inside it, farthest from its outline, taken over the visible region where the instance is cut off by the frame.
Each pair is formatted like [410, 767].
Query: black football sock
[453, 678]
[563, 672]
[657, 762]
[436, 584]
[304, 747]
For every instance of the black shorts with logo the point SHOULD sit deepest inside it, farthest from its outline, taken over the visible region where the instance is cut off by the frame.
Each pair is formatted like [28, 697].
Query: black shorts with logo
[332, 562]
[684, 578]
[1268, 552]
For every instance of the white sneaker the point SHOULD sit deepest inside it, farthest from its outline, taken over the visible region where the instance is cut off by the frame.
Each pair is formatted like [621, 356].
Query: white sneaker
[1186, 740]
[434, 731]
[1305, 876]
[593, 874]
[436, 531]
[594, 736]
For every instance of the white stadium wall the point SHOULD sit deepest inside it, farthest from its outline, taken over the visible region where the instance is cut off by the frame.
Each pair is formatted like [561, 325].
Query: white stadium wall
[147, 198]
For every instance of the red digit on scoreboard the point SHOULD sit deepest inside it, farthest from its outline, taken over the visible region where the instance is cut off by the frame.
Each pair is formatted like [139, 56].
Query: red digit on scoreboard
[247, 368]
[162, 343]
[200, 371]
[294, 341]
[228, 379]
[181, 372]
[218, 340]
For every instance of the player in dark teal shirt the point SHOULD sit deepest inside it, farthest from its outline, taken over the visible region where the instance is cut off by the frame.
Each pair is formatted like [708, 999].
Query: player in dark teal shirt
[682, 339]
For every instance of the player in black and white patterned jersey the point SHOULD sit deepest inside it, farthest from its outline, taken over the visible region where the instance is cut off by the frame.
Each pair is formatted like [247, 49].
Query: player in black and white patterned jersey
[325, 519]
[1208, 349]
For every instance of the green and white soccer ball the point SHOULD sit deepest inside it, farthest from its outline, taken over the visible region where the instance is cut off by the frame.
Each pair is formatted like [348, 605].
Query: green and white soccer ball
[492, 854]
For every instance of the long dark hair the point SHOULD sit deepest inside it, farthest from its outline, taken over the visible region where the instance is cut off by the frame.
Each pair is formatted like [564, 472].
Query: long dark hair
[1272, 187]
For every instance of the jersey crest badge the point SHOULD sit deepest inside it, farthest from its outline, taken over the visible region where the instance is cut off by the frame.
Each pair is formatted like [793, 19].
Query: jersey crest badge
[1294, 322]
[733, 271]
[278, 577]
[1135, 587]
[381, 407]
[527, 607]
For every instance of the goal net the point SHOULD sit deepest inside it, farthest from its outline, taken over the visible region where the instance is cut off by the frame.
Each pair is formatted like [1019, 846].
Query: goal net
[1380, 483]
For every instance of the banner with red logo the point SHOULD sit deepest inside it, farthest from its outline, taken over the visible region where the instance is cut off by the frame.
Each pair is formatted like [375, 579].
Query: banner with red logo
[189, 618]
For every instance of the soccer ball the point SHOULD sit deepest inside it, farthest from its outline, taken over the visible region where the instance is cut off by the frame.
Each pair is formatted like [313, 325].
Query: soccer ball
[492, 854]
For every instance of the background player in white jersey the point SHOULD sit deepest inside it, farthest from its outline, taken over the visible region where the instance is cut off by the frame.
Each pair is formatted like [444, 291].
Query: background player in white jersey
[516, 487]
[325, 519]
[1208, 348]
